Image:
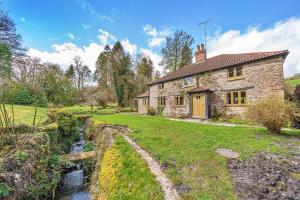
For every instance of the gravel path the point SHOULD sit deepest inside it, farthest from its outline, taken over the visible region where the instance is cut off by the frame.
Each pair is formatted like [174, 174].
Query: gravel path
[168, 188]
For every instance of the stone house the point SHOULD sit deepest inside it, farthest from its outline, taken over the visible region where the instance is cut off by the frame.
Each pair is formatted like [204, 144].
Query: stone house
[225, 84]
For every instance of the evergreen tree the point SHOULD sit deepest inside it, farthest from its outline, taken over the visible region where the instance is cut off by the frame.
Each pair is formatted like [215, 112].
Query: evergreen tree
[172, 51]
[5, 62]
[70, 73]
[145, 68]
[186, 56]
[103, 68]
[122, 75]
[144, 74]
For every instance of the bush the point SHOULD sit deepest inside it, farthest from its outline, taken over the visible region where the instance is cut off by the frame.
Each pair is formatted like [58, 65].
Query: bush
[22, 95]
[215, 114]
[151, 111]
[160, 110]
[5, 190]
[67, 123]
[273, 113]
[117, 110]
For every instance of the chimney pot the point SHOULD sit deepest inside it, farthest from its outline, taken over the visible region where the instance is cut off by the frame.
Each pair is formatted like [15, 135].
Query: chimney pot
[200, 53]
[202, 46]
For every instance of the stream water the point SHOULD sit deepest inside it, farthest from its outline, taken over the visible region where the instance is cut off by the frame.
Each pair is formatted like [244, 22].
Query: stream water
[72, 186]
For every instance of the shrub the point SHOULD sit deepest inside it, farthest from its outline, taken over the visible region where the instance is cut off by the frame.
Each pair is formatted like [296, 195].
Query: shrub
[89, 146]
[22, 95]
[102, 101]
[215, 114]
[117, 109]
[273, 113]
[67, 123]
[289, 92]
[52, 115]
[151, 111]
[5, 190]
[160, 110]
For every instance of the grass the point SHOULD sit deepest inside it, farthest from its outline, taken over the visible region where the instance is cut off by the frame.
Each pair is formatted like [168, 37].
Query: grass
[292, 82]
[111, 109]
[25, 114]
[124, 175]
[189, 150]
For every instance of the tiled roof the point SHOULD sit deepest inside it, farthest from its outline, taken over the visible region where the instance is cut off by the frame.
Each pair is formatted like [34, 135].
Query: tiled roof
[199, 89]
[145, 94]
[218, 62]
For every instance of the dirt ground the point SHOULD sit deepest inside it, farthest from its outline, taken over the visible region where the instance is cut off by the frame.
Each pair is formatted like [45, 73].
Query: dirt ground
[268, 176]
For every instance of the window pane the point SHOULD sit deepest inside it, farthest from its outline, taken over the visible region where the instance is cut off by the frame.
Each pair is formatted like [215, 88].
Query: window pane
[181, 101]
[230, 72]
[243, 97]
[228, 98]
[235, 97]
[188, 80]
[239, 71]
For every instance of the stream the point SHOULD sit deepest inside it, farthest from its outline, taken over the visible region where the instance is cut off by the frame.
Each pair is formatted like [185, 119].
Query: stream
[72, 186]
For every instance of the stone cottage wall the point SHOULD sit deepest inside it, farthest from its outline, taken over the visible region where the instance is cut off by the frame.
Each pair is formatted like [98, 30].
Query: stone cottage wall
[141, 108]
[261, 79]
[170, 91]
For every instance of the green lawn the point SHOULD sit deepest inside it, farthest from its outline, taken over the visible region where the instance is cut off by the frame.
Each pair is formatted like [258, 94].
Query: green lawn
[292, 82]
[124, 175]
[188, 149]
[25, 114]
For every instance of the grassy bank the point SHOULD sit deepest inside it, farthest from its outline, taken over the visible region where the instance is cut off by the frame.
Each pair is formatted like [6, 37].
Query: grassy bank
[188, 150]
[124, 175]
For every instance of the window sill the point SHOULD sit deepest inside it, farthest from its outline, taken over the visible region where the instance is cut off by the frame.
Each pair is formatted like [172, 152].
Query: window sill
[176, 106]
[235, 78]
[187, 86]
[237, 105]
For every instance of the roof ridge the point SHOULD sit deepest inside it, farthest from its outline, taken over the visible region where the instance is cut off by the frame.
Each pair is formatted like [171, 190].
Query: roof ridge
[218, 62]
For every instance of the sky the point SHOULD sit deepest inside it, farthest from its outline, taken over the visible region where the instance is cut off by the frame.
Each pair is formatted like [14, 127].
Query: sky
[58, 30]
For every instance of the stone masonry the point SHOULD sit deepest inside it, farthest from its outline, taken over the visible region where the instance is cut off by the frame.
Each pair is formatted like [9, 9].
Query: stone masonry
[262, 79]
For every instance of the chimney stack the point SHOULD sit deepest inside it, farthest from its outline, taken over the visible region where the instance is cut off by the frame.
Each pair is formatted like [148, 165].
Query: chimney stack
[200, 53]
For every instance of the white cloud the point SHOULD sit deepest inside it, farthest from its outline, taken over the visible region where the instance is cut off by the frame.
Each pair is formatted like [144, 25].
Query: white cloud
[87, 6]
[105, 37]
[86, 26]
[156, 38]
[64, 53]
[129, 48]
[282, 35]
[71, 36]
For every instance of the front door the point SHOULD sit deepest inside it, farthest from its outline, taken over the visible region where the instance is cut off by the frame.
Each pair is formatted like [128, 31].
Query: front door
[199, 105]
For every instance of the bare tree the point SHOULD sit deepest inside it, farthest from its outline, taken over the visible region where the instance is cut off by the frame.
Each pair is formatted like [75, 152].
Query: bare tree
[9, 35]
[82, 76]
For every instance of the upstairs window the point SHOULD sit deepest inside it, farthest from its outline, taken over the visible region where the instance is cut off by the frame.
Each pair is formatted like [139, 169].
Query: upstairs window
[161, 86]
[235, 72]
[236, 98]
[188, 80]
[179, 101]
[161, 101]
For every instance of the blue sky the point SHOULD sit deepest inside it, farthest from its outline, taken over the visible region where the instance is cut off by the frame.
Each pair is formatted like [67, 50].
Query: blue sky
[144, 24]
